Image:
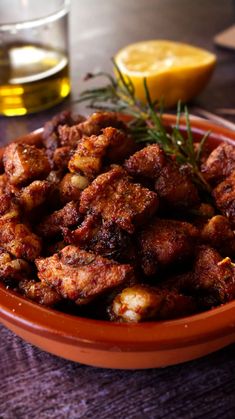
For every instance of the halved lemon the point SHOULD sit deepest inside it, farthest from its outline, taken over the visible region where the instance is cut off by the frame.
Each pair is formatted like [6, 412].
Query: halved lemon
[174, 71]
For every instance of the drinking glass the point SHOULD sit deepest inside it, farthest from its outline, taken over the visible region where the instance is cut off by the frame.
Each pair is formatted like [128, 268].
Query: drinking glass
[34, 62]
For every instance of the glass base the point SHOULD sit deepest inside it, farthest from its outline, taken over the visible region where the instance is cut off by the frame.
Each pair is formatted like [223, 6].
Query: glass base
[22, 99]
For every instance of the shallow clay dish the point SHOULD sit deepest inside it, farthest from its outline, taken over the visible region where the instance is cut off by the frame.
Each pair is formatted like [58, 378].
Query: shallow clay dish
[112, 345]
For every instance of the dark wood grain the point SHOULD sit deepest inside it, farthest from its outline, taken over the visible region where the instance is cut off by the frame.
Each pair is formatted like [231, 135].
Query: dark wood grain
[34, 384]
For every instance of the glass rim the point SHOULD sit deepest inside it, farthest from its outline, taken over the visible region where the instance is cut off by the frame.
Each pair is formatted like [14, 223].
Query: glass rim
[33, 23]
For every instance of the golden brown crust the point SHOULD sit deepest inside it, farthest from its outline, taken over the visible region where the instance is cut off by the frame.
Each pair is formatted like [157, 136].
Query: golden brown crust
[61, 157]
[147, 162]
[214, 277]
[12, 268]
[19, 240]
[175, 189]
[165, 242]
[220, 163]
[218, 233]
[51, 132]
[39, 292]
[91, 152]
[117, 200]
[99, 120]
[77, 274]
[24, 163]
[68, 216]
[71, 187]
[33, 195]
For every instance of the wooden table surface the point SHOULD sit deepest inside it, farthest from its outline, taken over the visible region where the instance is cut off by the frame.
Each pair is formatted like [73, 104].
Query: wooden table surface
[34, 384]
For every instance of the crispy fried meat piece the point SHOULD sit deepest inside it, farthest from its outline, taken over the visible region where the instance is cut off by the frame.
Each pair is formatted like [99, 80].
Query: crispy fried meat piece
[99, 120]
[147, 162]
[114, 243]
[68, 216]
[77, 274]
[220, 163]
[165, 242]
[50, 134]
[39, 292]
[61, 157]
[8, 208]
[86, 233]
[218, 233]
[175, 188]
[33, 195]
[11, 268]
[141, 302]
[71, 186]
[70, 136]
[19, 240]
[88, 157]
[112, 145]
[224, 196]
[214, 277]
[24, 163]
[172, 184]
[120, 146]
[103, 238]
[117, 200]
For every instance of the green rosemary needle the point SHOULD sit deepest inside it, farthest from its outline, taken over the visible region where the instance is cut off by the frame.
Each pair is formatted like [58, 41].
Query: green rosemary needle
[146, 124]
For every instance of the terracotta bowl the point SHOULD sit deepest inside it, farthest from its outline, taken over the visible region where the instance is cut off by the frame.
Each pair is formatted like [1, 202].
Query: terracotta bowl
[112, 345]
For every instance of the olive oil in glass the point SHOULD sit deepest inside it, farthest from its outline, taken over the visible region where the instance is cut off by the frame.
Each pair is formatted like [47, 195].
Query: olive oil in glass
[34, 70]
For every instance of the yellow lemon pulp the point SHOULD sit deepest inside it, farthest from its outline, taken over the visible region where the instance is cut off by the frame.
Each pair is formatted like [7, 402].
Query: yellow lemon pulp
[174, 71]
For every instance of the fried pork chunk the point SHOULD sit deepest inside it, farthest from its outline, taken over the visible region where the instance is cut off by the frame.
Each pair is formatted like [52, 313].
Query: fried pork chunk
[52, 225]
[141, 302]
[165, 242]
[213, 277]
[78, 275]
[33, 195]
[61, 157]
[51, 138]
[19, 240]
[89, 156]
[9, 209]
[71, 186]
[120, 145]
[11, 268]
[113, 197]
[24, 163]
[220, 163]
[218, 233]
[39, 292]
[174, 187]
[147, 162]
[224, 196]
[99, 120]
[103, 238]
[71, 135]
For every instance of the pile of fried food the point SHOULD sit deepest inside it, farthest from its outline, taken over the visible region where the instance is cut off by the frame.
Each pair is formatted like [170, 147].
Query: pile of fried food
[93, 224]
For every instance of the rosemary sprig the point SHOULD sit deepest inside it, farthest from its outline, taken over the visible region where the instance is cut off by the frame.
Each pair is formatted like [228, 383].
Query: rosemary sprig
[146, 125]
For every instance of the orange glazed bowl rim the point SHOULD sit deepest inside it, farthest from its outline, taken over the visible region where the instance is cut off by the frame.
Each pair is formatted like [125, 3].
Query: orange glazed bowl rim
[101, 334]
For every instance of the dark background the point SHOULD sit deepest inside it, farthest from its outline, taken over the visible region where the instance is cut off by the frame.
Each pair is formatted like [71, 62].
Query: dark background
[34, 384]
